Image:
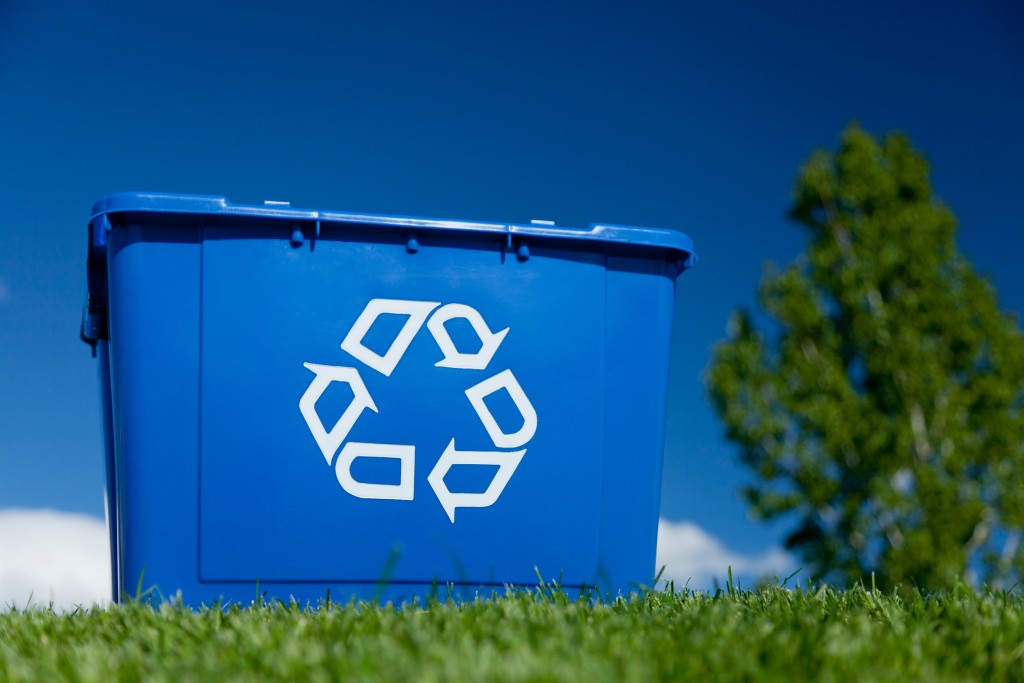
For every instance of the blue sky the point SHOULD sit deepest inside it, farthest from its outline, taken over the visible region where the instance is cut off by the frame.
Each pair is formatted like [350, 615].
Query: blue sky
[694, 116]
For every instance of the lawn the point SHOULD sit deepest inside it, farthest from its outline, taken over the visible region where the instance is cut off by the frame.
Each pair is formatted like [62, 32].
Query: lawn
[770, 634]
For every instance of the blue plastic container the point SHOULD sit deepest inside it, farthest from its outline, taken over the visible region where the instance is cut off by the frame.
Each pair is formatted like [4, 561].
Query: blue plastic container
[381, 406]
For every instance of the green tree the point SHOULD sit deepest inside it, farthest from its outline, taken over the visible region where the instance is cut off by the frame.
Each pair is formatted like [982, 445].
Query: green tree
[884, 410]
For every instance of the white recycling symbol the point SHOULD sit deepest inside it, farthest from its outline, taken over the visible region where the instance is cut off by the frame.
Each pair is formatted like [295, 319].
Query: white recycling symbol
[434, 315]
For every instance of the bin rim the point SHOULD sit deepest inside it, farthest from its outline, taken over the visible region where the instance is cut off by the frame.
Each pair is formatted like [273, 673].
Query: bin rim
[678, 244]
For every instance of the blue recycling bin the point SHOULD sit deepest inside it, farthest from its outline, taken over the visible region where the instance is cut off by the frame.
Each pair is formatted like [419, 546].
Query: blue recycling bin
[299, 401]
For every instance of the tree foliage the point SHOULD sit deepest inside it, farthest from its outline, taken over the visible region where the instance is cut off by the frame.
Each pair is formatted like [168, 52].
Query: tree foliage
[884, 410]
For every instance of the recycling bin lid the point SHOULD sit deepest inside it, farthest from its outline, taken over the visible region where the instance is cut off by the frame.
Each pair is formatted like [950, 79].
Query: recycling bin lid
[678, 245]
[671, 245]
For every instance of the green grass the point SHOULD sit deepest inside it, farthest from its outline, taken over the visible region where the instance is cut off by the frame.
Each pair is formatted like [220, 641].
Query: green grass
[771, 634]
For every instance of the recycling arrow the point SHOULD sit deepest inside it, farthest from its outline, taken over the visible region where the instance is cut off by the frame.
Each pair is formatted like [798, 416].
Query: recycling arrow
[489, 341]
[405, 455]
[507, 381]
[507, 462]
[416, 312]
[330, 441]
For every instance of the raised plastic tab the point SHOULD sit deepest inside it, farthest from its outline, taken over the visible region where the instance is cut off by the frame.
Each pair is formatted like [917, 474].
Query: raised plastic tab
[94, 315]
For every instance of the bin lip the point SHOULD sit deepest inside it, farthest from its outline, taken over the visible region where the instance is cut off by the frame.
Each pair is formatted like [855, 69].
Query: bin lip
[154, 202]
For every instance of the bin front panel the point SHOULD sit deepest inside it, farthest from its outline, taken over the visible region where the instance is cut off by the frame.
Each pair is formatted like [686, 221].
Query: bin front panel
[277, 506]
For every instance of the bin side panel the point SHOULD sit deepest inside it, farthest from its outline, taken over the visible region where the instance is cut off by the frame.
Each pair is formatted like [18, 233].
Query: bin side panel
[640, 294]
[154, 355]
[110, 498]
[272, 505]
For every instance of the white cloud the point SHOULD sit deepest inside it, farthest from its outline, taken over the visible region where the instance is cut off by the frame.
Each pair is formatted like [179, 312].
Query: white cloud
[694, 558]
[47, 556]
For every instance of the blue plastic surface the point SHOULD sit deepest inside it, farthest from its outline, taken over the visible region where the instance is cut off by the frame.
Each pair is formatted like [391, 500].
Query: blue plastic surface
[310, 400]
